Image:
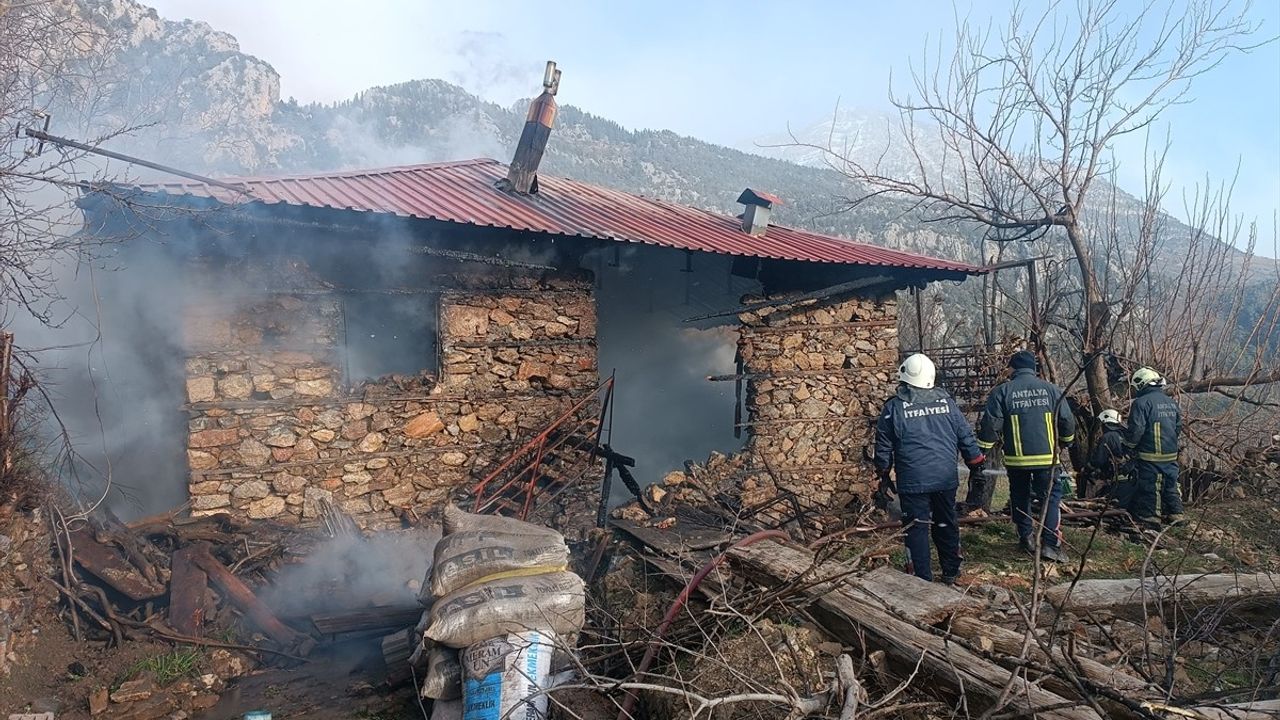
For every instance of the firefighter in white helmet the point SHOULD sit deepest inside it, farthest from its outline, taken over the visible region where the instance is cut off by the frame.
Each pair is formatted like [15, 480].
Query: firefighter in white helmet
[1110, 464]
[918, 435]
[1154, 425]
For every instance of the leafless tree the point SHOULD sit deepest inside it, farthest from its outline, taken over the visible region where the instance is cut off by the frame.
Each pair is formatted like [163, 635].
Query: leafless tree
[1015, 131]
[51, 58]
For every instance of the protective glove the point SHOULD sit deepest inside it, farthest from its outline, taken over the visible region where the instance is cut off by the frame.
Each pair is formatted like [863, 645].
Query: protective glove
[886, 482]
[978, 464]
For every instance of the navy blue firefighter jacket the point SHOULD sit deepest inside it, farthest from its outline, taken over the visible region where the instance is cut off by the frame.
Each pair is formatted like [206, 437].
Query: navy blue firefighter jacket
[918, 435]
[1033, 418]
[1154, 424]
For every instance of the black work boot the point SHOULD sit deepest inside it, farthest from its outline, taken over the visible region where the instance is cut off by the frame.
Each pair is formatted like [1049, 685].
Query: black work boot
[1026, 546]
[1053, 554]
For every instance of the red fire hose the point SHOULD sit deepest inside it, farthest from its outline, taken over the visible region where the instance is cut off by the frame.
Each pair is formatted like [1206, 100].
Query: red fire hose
[651, 653]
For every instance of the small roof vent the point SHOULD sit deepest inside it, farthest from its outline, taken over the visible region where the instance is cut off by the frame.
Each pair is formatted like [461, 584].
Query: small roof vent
[759, 205]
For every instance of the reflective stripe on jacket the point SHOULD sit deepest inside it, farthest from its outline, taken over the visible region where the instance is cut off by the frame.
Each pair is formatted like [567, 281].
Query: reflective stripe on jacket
[918, 435]
[1033, 418]
[1154, 424]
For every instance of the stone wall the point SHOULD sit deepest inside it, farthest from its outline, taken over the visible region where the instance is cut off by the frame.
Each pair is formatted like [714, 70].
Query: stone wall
[276, 431]
[817, 377]
[26, 551]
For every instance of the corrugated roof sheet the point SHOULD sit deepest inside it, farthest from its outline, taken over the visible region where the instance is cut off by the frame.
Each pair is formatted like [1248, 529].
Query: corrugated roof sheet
[465, 192]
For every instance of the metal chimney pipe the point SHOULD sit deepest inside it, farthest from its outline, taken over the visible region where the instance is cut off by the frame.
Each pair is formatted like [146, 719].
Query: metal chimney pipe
[537, 130]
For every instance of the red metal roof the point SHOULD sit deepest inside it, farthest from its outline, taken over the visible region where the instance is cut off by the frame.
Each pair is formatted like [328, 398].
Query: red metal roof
[465, 192]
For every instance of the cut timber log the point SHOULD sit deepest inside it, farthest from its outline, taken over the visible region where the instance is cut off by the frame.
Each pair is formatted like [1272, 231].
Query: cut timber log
[907, 596]
[243, 597]
[1009, 643]
[373, 618]
[187, 587]
[858, 619]
[1131, 597]
[109, 565]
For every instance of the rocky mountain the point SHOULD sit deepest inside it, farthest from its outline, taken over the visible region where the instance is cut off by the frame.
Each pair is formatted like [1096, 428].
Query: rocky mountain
[200, 103]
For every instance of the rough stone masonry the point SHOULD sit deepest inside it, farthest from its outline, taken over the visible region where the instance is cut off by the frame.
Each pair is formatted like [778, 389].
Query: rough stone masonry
[276, 431]
[817, 375]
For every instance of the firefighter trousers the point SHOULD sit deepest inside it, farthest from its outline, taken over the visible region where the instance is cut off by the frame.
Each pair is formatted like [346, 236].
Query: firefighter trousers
[1043, 483]
[926, 515]
[1148, 477]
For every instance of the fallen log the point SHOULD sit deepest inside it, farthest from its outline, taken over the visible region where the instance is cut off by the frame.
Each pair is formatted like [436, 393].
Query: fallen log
[905, 595]
[187, 587]
[860, 620]
[1134, 597]
[1009, 643]
[243, 597]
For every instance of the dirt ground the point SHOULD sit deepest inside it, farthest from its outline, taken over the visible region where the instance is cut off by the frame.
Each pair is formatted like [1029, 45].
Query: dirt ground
[1220, 536]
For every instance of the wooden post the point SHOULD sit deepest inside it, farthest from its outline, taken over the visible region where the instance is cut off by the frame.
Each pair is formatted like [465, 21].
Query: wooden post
[187, 587]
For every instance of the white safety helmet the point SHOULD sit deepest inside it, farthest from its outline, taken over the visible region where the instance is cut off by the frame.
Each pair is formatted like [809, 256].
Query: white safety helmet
[917, 371]
[1145, 376]
[1109, 417]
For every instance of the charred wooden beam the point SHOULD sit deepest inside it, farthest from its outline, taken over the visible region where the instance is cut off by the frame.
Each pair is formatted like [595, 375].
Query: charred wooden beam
[110, 565]
[243, 597]
[521, 343]
[765, 329]
[824, 294]
[187, 587]
[833, 372]
[371, 618]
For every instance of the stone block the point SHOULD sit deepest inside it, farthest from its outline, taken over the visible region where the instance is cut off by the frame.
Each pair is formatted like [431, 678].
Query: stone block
[201, 389]
[314, 388]
[236, 387]
[213, 437]
[210, 502]
[453, 459]
[267, 507]
[207, 487]
[201, 460]
[287, 484]
[254, 453]
[373, 442]
[424, 425]
[280, 436]
[464, 321]
[532, 369]
[251, 490]
[323, 435]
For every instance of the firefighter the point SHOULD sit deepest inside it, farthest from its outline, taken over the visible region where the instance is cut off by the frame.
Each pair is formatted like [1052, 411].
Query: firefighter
[917, 437]
[1109, 467]
[1033, 418]
[1154, 424]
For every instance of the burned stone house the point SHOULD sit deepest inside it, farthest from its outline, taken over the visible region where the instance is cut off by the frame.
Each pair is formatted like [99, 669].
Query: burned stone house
[381, 340]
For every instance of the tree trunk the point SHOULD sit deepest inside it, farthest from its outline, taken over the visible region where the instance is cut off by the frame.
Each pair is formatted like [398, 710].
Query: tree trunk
[1096, 313]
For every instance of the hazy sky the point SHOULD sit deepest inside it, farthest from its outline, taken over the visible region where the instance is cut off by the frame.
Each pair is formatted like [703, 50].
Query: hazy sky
[722, 71]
